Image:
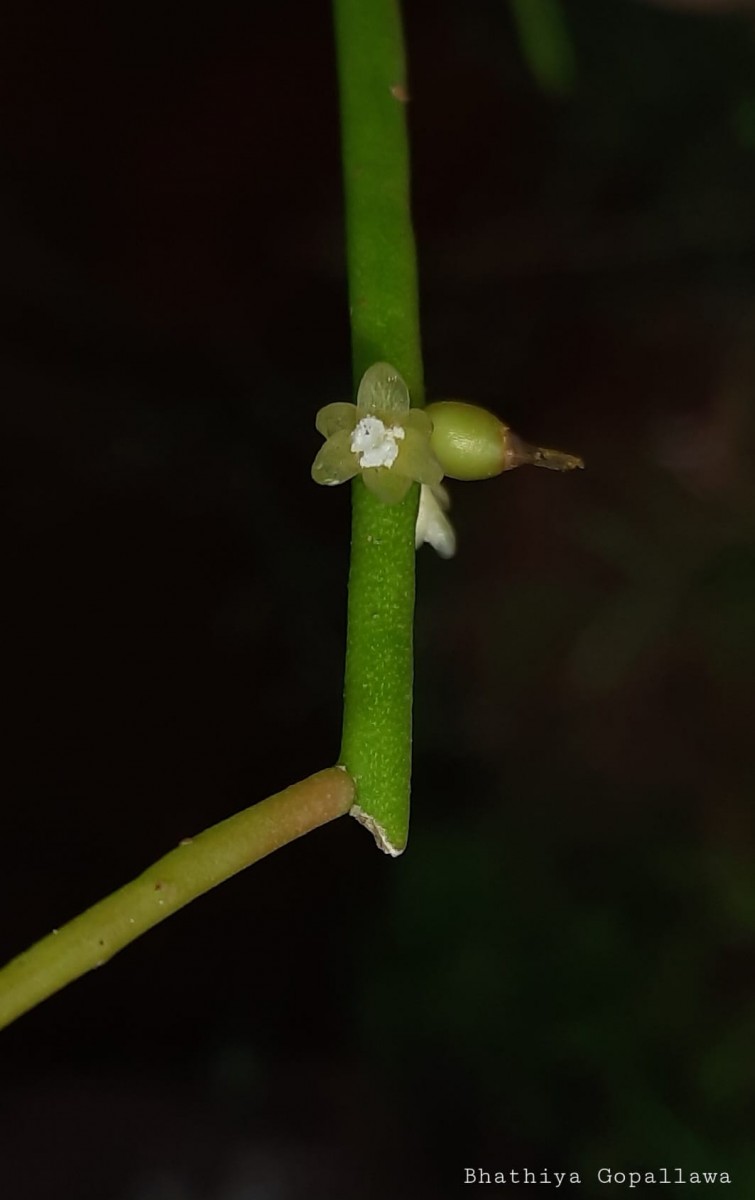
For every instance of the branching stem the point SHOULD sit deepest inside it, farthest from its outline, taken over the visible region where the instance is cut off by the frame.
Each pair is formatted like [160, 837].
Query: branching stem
[194, 867]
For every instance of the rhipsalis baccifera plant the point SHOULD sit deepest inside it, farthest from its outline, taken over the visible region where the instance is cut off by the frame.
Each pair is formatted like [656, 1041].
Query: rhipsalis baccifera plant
[396, 452]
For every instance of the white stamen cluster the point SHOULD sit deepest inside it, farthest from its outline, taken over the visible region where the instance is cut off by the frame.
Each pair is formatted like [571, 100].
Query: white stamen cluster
[375, 443]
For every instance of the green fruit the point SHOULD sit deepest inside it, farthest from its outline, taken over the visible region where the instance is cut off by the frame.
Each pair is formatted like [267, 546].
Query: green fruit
[472, 443]
[469, 442]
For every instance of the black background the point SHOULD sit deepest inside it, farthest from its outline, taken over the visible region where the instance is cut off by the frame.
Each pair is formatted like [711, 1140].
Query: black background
[559, 972]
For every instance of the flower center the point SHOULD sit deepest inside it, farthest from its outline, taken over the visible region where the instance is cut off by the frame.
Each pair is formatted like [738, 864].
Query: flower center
[375, 444]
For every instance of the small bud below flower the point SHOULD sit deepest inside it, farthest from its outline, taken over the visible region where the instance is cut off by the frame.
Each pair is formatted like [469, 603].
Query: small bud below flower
[433, 526]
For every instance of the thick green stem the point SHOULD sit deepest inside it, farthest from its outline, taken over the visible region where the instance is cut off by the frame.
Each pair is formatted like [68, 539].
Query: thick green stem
[194, 867]
[381, 260]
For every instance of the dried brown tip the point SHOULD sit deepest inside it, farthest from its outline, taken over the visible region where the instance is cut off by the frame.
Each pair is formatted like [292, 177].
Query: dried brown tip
[519, 453]
[555, 460]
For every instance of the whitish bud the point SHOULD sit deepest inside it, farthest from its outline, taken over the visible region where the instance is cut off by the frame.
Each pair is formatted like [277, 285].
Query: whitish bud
[433, 525]
[471, 443]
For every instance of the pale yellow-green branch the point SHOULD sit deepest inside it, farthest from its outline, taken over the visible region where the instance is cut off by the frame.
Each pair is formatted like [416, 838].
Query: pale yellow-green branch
[194, 867]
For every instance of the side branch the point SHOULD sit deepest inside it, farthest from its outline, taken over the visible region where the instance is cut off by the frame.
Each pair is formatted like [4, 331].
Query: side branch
[194, 867]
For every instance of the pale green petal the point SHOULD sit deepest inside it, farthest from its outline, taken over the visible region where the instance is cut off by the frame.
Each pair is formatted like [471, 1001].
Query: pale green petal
[418, 419]
[386, 484]
[337, 416]
[382, 391]
[335, 463]
[417, 461]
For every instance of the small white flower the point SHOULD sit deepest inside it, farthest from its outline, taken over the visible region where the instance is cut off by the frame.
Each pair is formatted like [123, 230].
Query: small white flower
[381, 438]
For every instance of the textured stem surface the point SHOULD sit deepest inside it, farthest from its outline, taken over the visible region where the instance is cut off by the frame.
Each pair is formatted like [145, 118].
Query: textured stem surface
[377, 723]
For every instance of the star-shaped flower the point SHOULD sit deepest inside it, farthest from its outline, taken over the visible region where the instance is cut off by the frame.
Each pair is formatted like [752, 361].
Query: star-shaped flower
[379, 437]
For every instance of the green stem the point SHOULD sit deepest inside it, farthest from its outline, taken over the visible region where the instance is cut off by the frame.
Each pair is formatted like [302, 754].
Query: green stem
[382, 270]
[197, 865]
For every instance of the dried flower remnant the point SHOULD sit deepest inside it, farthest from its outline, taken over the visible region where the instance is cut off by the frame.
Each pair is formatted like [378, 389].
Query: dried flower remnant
[380, 438]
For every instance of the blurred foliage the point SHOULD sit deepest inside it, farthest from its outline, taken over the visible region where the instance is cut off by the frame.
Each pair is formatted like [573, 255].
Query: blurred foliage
[546, 43]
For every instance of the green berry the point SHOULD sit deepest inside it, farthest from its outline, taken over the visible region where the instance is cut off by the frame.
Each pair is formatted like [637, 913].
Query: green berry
[469, 442]
[472, 443]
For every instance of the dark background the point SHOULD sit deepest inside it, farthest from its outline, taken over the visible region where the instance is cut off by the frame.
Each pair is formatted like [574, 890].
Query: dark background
[559, 972]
